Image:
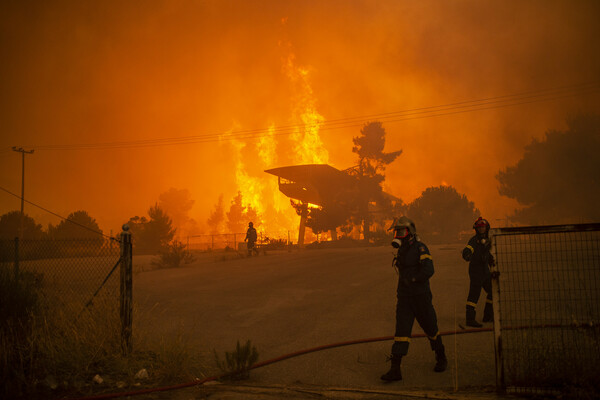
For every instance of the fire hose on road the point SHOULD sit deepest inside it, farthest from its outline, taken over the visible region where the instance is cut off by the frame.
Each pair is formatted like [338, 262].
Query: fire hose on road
[270, 361]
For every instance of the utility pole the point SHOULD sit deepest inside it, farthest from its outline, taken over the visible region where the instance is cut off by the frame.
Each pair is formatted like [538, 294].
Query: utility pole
[23, 152]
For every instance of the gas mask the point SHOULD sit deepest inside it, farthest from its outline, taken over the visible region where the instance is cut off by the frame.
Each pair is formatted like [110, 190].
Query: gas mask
[400, 233]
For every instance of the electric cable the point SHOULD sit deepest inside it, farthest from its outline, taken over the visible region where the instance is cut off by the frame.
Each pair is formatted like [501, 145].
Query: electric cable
[59, 216]
[340, 123]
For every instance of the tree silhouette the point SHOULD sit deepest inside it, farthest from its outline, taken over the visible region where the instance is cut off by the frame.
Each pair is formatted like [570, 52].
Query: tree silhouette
[238, 216]
[10, 224]
[217, 216]
[78, 225]
[370, 172]
[325, 218]
[177, 203]
[351, 207]
[154, 234]
[441, 213]
[369, 147]
[557, 179]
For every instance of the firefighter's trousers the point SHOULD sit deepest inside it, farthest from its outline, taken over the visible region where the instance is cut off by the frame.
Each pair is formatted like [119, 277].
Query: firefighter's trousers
[478, 281]
[409, 308]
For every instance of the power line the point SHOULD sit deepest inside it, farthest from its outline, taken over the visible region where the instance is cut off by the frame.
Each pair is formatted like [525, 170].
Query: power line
[56, 215]
[341, 123]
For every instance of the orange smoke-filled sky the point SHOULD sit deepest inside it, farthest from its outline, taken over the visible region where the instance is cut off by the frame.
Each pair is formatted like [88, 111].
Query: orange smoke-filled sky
[140, 75]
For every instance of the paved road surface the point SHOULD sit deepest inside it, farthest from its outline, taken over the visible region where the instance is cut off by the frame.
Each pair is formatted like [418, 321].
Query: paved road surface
[289, 301]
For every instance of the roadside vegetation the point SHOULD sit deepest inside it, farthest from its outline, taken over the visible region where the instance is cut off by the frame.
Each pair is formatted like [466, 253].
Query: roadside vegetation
[236, 364]
[48, 351]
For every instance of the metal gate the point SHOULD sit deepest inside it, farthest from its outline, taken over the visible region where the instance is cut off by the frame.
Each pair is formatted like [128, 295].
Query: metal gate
[547, 308]
[91, 276]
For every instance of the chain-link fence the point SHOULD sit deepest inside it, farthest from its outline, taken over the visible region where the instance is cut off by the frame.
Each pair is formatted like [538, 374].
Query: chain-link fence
[547, 301]
[234, 241]
[74, 275]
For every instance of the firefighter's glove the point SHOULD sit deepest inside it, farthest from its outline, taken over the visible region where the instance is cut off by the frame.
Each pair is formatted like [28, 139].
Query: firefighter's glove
[466, 254]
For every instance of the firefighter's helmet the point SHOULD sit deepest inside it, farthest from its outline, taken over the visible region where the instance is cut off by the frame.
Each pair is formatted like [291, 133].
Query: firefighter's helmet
[250, 224]
[481, 223]
[404, 228]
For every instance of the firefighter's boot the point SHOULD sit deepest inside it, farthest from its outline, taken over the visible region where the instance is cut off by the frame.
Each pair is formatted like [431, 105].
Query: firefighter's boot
[488, 312]
[441, 362]
[471, 318]
[394, 374]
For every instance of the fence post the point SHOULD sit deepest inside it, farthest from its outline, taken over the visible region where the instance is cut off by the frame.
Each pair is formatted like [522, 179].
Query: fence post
[494, 269]
[16, 258]
[126, 290]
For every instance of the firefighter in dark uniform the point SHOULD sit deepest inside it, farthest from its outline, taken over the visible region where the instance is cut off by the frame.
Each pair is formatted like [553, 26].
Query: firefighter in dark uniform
[251, 237]
[477, 253]
[414, 298]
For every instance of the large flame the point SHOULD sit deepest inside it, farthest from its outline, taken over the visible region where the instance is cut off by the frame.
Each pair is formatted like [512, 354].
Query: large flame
[276, 217]
[308, 147]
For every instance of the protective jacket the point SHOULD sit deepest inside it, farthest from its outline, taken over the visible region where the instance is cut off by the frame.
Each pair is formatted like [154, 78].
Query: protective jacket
[415, 267]
[414, 298]
[251, 235]
[477, 252]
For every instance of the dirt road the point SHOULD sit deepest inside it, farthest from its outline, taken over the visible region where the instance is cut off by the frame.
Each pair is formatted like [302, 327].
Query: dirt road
[289, 301]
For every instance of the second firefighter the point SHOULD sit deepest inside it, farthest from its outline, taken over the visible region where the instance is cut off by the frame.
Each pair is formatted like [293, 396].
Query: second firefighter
[477, 253]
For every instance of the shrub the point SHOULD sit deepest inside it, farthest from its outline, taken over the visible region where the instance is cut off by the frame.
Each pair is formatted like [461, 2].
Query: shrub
[173, 256]
[237, 363]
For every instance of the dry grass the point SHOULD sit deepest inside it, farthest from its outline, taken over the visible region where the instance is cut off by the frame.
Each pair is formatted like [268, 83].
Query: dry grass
[48, 349]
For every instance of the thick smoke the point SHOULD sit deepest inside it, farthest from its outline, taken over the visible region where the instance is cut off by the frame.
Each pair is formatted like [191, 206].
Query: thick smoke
[112, 72]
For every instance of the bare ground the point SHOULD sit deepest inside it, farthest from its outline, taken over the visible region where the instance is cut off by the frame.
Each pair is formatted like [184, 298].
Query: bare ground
[289, 301]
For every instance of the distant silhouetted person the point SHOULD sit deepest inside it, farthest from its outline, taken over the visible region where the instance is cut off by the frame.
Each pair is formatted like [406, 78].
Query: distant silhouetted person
[477, 253]
[415, 267]
[251, 239]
